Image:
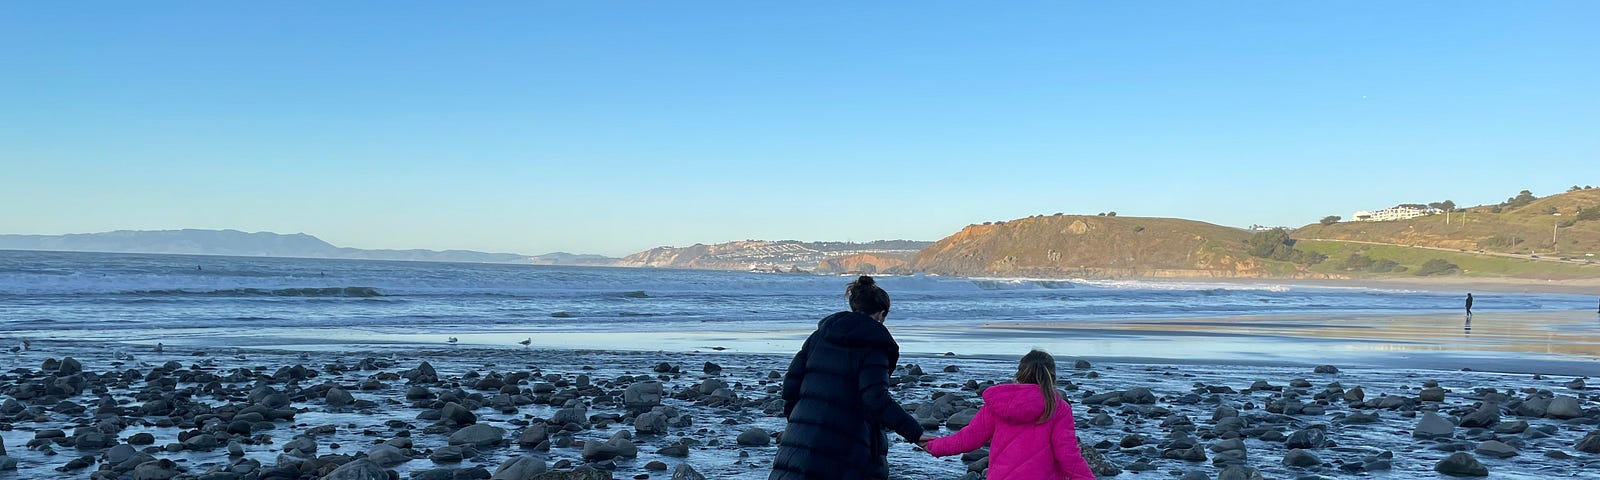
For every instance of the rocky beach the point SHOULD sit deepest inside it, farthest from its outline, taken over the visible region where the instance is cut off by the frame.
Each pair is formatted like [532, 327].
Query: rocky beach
[117, 411]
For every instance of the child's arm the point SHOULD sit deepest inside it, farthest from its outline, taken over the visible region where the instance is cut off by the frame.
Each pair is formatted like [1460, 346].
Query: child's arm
[1064, 439]
[968, 439]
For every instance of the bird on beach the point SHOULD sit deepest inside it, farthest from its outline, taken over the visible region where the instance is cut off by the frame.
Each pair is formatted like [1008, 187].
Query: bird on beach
[158, 347]
[527, 342]
[452, 341]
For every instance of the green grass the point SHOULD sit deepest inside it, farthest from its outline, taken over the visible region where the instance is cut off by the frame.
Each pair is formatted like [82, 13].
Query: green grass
[1472, 265]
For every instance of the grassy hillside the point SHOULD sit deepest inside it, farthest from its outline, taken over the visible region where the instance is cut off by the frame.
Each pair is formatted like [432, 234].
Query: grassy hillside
[1529, 227]
[1099, 246]
[1412, 258]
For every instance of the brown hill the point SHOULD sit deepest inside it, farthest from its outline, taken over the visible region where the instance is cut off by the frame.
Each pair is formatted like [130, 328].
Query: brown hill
[1530, 228]
[1099, 246]
[867, 263]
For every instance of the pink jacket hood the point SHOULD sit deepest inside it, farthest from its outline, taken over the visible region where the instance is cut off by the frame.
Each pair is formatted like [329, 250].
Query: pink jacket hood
[1015, 403]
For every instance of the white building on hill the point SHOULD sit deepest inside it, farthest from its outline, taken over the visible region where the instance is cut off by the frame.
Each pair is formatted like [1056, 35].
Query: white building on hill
[1401, 212]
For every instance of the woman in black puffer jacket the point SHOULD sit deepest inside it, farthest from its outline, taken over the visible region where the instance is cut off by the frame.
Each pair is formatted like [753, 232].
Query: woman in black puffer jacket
[836, 396]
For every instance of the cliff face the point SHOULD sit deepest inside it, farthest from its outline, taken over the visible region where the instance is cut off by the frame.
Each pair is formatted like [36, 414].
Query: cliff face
[866, 263]
[784, 255]
[1095, 246]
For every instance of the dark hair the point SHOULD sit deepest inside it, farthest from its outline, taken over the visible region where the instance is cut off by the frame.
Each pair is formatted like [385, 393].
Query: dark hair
[865, 296]
[1039, 368]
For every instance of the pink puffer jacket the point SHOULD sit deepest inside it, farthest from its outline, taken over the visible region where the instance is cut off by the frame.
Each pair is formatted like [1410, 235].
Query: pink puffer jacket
[1022, 449]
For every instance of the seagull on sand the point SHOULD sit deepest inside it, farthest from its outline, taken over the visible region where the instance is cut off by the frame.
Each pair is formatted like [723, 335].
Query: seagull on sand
[527, 342]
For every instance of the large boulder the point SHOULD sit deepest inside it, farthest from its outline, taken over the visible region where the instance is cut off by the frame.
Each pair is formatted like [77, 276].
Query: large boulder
[479, 435]
[361, 469]
[1461, 464]
[1564, 407]
[1484, 417]
[520, 468]
[1590, 443]
[387, 456]
[754, 437]
[338, 397]
[1433, 426]
[620, 445]
[685, 472]
[580, 473]
[1497, 449]
[162, 469]
[641, 397]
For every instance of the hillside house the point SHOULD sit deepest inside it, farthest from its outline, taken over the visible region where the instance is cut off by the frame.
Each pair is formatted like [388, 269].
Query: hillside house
[1400, 212]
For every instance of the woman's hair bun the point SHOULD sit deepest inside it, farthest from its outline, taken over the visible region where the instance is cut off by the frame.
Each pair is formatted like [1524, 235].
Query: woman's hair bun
[865, 281]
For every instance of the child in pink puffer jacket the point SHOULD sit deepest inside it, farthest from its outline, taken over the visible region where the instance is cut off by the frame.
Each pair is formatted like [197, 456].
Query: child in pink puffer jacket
[1030, 426]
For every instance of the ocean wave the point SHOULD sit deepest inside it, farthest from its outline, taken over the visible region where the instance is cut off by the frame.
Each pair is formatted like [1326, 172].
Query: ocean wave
[360, 292]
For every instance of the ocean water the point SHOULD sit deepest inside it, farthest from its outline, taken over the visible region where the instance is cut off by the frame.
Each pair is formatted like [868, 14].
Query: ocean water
[131, 297]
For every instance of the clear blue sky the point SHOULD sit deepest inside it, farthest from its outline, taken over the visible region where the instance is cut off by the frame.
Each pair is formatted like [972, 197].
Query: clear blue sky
[610, 127]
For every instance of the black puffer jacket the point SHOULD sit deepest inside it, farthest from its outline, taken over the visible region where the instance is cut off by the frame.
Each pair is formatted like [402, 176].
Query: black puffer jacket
[836, 396]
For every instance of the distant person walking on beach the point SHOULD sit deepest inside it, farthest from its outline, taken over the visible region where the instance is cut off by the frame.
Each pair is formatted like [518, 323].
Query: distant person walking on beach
[1027, 425]
[1469, 304]
[836, 396]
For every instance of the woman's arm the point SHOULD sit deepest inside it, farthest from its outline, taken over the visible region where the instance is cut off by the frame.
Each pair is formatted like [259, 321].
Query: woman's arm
[1064, 436]
[873, 385]
[795, 375]
[973, 437]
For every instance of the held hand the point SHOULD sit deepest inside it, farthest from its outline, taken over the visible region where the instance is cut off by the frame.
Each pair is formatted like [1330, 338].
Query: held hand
[923, 441]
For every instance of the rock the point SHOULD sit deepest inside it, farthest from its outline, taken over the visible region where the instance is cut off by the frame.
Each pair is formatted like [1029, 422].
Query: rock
[7, 463]
[1355, 395]
[1239, 472]
[338, 397]
[754, 437]
[387, 456]
[478, 435]
[361, 469]
[1097, 462]
[144, 438]
[1433, 426]
[650, 423]
[1575, 384]
[1434, 394]
[1511, 428]
[580, 473]
[1301, 458]
[520, 468]
[1461, 464]
[1308, 438]
[620, 445]
[685, 472]
[1196, 453]
[455, 413]
[69, 366]
[162, 469]
[674, 450]
[533, 435]
[1590, 443]
[712, 369]
[1496, 449]
[451, 454]
[1326, 369]
[1484, 417]
[1564, 407]
[961, 419]
[641, 397]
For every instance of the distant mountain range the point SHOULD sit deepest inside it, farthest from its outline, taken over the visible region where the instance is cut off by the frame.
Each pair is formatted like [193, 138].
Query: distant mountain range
[1548, 238]
[265, 244]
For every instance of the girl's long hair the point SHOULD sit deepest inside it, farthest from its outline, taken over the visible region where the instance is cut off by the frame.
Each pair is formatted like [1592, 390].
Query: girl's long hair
[1039, 368]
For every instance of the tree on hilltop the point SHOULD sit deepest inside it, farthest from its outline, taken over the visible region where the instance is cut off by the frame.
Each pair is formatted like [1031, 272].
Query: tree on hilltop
[1330, 220]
